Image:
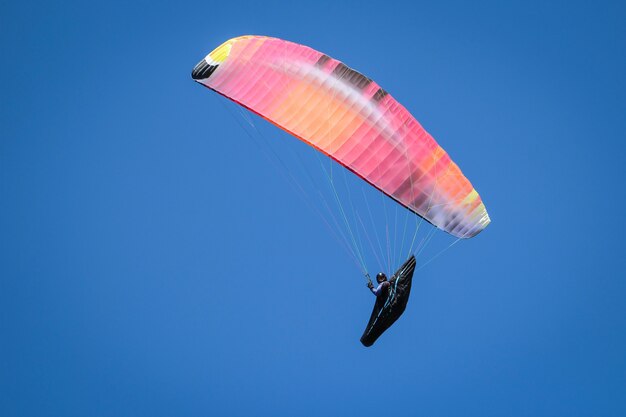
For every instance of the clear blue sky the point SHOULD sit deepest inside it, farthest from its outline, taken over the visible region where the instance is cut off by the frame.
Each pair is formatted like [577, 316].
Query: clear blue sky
[153, 263]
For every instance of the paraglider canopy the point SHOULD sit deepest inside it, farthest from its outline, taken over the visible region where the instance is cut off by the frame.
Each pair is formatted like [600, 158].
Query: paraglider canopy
[350, 118]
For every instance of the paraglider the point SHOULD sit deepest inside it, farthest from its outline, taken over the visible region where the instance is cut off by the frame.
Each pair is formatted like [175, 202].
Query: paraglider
[351, 119]
[391, 299]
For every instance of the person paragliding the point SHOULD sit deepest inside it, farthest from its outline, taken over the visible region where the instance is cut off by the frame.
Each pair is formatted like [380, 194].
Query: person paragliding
[392, 296]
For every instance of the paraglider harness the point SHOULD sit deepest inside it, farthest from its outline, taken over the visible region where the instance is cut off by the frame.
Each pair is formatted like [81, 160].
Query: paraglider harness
[388, 309]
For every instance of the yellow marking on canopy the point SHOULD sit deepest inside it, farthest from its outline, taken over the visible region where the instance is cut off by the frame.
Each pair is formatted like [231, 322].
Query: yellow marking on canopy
[219, 54]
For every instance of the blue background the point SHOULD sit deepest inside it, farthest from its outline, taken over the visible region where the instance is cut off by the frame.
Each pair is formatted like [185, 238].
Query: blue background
[154, 264]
